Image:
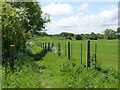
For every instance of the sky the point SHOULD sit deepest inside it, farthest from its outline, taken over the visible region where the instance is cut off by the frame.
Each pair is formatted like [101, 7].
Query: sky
[80, 17]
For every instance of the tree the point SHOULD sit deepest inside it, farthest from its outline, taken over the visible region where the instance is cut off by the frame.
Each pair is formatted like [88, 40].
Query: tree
[86, 36]
[100, 36]
[12, 30]
[36, 19]
[110, 34]
[19, 20]
[67, 35]
[43, 34]
[93, 36]
[118, 33]
[78, 37]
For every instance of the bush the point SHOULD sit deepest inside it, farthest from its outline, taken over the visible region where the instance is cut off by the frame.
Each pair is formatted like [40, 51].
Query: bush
[78, 37]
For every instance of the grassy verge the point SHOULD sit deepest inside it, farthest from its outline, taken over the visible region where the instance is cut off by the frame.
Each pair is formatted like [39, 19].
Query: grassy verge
[59, 72]
[42, 69]
[26, 74]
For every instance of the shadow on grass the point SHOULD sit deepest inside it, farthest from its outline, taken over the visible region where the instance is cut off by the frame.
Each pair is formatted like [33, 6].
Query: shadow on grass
[39, 56]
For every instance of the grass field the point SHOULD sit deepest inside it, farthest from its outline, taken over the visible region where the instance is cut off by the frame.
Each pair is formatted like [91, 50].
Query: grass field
[41, 69]
[107, 50]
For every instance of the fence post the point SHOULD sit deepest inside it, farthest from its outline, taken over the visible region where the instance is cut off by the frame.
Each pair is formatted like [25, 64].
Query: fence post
[12, 56]
[88, 54]
[58, 49]
[43, 46]
[69, 50]
[52, 44]
[48, 46]
[65, 49]
[81, 53]
[95, 53]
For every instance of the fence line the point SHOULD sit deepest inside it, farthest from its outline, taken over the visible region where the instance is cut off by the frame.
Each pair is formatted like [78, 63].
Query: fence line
[71, 50]
[103, 53]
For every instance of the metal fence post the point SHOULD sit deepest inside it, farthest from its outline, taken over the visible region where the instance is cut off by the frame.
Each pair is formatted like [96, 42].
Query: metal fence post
[48, 46]
[58, 49]
[95, 53]
[69, 50]
[81, 53]
[43, 46]
[65, 49]
[88, 54]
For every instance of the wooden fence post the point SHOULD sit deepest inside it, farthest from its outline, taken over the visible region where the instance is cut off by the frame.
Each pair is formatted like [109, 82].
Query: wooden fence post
[48, 46]
[95, 53]
[81, 53]
[88, 54]
[65, 49]
[12, 56]
[69, 50]
[58, 49]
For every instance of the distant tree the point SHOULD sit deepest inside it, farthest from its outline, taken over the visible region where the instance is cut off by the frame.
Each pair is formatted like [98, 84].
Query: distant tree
[86, 36]
[78, 37]
[65, 34]
[93, 36]
[69, 37]
[43, 34]
[118, 33]
[50, 35]
[100, 36]
[110, 34]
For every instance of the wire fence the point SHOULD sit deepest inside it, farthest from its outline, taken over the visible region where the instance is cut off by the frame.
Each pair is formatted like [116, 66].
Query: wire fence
[105, 52]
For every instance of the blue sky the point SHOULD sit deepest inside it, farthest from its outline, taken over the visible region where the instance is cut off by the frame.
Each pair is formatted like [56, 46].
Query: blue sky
[87, 14]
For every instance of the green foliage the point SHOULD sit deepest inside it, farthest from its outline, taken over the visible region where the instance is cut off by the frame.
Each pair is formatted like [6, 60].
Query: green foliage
[67, 35]
[20, 21]
[53, 71]
[42, 34]
[78, 37]
[24, 75]
[100, 36]
[110, 34]
[83, 77]
[12, 31]
[36, 19]
[86, 37]
[93, 36]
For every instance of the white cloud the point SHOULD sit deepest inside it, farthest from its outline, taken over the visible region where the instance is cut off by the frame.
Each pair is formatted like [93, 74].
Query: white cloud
[57, 9]
[82, 7]
[82, 23]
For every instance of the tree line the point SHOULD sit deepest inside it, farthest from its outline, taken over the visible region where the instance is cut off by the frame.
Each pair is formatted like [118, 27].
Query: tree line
[108, 35]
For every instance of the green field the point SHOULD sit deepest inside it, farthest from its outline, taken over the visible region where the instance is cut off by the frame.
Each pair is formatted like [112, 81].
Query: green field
[107, 50]
[41, 69]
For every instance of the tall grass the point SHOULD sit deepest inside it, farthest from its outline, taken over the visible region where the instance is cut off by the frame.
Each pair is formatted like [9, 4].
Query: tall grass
[107, 50]
[45, 69]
